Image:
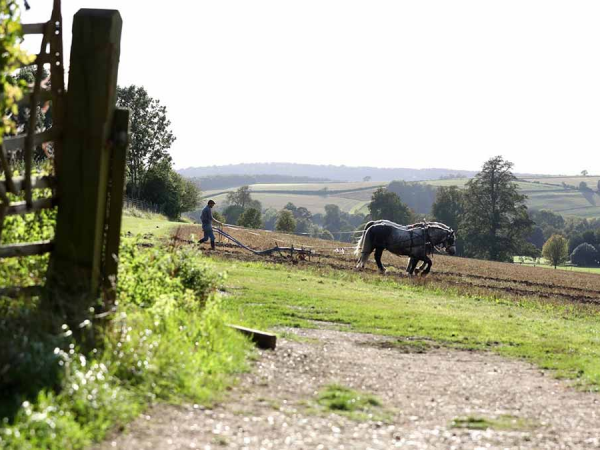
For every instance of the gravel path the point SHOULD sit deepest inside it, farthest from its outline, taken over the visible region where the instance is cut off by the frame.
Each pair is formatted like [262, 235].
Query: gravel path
[274, 407]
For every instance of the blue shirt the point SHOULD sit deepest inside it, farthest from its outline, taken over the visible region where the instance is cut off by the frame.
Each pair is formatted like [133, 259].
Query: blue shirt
[206, 217]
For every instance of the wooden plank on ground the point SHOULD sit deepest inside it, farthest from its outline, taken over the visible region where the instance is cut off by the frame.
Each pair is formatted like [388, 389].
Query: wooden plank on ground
[262, 339]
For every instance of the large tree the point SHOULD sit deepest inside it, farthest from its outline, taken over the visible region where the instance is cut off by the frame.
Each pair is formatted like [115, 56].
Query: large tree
[387, 205]
[496, 222]
[150, 133]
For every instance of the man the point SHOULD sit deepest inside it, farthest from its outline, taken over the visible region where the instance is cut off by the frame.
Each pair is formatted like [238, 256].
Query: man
[207, 220]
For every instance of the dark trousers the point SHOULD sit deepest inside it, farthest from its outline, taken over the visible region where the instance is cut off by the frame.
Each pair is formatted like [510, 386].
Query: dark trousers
[208, 234]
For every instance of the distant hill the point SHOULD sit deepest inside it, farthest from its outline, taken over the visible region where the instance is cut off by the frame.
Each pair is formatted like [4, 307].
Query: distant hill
[335, 173]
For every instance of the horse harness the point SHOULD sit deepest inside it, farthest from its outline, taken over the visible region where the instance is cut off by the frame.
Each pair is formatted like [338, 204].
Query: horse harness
[426, 240]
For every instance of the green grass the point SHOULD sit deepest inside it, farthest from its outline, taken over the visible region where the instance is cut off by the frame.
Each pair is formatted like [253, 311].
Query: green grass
[503, 422]
[158, 226]
[563, 338]
[350, 403]
[167, 342]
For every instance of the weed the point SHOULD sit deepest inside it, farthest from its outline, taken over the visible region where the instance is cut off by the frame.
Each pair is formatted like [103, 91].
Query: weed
[348, 402]
[504, 422]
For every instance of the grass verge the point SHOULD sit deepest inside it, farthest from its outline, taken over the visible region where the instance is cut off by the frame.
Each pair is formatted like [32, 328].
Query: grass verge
[167, 342]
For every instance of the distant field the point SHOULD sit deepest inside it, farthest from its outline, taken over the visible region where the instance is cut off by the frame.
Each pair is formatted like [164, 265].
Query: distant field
[548, 193]
[350, 197]
[592, 181]
[542, 193]
[330, 186]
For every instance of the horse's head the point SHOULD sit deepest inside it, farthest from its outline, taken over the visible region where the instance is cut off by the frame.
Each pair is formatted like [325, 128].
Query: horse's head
[450, 243]
[443, 237]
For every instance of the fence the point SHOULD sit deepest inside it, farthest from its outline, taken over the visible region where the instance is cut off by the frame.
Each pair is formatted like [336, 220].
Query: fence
[90, 137]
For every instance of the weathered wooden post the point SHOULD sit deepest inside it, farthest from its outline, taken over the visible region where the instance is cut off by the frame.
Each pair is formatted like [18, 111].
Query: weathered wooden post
[85, 164]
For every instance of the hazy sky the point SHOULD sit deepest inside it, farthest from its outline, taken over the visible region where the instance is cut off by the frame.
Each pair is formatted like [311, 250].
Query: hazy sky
[380, 83]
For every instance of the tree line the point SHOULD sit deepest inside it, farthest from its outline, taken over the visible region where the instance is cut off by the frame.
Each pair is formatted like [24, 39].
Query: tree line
[150, 173]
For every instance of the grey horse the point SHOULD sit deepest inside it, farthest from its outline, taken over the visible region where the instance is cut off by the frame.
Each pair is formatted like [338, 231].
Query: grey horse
[416, 241]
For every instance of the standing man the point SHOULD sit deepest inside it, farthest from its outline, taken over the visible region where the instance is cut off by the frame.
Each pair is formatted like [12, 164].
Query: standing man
[207, 220]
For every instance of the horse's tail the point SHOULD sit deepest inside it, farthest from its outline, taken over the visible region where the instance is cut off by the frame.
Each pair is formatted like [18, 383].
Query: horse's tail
[361, 242]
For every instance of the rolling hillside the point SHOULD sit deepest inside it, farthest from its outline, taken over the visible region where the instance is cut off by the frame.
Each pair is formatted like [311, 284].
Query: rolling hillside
[353, 197]
[350, 197]
[549, 193]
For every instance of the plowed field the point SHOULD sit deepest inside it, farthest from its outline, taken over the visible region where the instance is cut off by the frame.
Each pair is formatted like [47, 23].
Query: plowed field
[475, 277]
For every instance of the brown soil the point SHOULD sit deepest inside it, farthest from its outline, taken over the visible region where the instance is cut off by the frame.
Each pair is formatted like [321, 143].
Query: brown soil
[273, 406]
[472, 276]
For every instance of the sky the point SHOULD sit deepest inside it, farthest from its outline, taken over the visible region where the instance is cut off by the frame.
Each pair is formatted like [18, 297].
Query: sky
[384, 83]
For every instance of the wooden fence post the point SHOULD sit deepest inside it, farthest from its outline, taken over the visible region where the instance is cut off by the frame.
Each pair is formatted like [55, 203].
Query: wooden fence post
[116, 198]
[76, 261]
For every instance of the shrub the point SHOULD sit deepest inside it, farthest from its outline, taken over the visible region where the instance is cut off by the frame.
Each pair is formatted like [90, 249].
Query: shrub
[149, 275]
[585, 255]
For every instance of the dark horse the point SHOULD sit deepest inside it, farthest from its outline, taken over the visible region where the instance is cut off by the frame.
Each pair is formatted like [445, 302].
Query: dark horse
[415, 241]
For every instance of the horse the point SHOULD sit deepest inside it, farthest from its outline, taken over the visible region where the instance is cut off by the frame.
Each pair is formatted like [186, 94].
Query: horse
[415, 241]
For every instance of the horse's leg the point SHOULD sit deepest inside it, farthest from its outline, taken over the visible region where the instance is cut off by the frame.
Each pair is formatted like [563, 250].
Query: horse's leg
[429, 263]
[362, 259]
[412, 262]
[378, 253]
[420, 268]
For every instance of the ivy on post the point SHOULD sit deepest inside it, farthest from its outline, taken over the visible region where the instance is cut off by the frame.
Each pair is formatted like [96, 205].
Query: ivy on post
[85, 165]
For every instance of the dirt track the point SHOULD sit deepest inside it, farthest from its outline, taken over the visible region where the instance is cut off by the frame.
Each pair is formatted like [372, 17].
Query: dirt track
[273, 407]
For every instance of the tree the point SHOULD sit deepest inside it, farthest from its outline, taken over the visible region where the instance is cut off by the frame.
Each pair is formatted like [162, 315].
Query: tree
[12, 57]
[326, 234]
[240, 198]
[150, 133]
[585, 255]
[303, 213]
[387, 205]
[250, 218]
[583, 186]
[496, 222]
[333, 218]
[285, 221]
[556, 250]
[232, 213]
[367, 178]
[448, 206]
[269, 218]
[584, 173]
[291, 207]
[174, 194]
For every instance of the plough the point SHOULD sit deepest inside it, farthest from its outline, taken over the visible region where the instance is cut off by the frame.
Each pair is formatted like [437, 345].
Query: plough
[301, 252]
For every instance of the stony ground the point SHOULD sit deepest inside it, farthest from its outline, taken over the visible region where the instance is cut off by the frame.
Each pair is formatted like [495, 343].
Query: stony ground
[428, 400]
